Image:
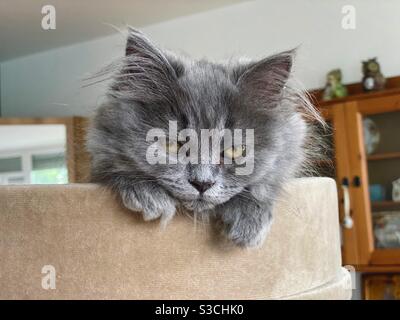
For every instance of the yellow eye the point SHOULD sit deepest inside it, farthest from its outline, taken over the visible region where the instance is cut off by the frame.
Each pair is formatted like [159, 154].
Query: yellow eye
[234, 152]
[172, 147]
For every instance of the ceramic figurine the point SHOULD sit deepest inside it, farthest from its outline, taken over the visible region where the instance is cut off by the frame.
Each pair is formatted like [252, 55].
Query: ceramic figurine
[334, 87]
[396, 190]
[373, 78]
[376, 192]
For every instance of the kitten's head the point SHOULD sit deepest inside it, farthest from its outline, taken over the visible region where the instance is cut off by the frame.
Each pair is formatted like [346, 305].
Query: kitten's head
[154, 87]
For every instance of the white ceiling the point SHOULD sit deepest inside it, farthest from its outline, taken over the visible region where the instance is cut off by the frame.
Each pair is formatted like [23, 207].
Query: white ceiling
[80, 20]
[19, 137]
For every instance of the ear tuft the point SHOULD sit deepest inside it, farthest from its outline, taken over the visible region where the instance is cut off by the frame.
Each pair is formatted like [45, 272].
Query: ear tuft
[138, 46]
[137, 43]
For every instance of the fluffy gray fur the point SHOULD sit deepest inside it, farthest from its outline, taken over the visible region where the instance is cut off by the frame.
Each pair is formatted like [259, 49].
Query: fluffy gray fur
[151, 87]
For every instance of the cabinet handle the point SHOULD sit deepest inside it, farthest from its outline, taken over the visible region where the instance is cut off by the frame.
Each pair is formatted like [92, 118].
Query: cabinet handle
[356, 181]
[347, 219]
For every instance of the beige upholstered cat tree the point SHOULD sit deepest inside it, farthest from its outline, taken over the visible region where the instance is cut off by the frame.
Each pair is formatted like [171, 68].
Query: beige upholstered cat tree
[100, 250]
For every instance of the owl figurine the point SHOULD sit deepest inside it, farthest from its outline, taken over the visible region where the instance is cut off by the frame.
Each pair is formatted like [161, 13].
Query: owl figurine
[334, 87]
[373, 78]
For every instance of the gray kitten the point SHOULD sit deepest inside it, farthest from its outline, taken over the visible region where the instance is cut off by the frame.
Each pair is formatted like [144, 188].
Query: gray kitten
[151, 87]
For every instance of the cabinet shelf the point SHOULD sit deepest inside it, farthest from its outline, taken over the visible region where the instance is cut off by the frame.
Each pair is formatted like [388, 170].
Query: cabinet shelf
[384, 156]
[385, 205]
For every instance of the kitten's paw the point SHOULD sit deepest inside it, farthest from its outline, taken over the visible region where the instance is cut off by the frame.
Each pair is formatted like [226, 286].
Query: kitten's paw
[246, 233]
[153, 203]
[157, 204]
[130, 201]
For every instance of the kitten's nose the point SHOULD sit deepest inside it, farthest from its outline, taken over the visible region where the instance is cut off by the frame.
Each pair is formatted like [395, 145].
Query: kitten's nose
[201, 186]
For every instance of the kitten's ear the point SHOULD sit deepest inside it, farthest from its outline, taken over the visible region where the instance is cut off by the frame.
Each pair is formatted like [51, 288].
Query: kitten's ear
[147, 74]
[140, 47]
[261, 84]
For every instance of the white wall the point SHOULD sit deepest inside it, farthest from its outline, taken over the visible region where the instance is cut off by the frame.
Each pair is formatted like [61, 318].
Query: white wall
[49, 83]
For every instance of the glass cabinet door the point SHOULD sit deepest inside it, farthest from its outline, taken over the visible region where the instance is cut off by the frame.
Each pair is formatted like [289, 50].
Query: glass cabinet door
[374, 151]
[382, 146]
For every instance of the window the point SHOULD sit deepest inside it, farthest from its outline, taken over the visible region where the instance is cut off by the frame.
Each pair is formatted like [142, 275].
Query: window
[49, 169]
[44, 166]
[10, 164]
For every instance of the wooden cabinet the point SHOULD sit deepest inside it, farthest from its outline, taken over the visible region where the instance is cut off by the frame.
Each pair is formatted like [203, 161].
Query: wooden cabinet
[364, 175]
[381, 286]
